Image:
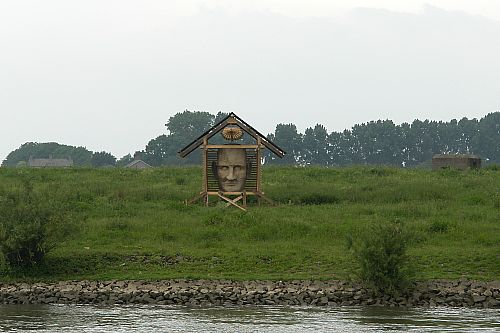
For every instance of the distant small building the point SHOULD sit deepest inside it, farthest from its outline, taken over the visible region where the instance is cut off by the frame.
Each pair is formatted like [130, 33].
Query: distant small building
[457, 161]
[138, 164]
[50, 162]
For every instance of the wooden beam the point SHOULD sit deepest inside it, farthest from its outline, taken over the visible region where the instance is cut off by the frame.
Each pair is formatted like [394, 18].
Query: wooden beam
[230, 193]
[258, 164]
[232, 146]
[205, 165]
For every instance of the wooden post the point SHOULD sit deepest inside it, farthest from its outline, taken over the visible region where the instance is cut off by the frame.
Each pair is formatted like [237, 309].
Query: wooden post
[205, 175]
[259, 171]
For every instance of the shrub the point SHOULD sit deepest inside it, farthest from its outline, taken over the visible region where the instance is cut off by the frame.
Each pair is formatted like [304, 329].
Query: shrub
[380, 252]
[28, 227]
[438, 227]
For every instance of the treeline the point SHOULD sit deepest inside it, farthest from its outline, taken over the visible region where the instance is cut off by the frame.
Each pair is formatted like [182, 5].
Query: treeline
[383, 142]
[81, 156]
[375, 142]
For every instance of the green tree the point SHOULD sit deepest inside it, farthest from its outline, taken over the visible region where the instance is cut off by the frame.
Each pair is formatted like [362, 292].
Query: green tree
[190, 124]
[80, 155]
[286, 137]
[338, 149]
[488, 138]
[183, 128]
[102, 159]
[316, 146]
[379, 142]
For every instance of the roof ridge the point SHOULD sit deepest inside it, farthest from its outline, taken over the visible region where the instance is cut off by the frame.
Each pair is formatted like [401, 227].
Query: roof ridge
[215, 129]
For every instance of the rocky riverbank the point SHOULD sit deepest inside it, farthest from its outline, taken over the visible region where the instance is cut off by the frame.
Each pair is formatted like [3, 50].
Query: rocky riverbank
[459, 293]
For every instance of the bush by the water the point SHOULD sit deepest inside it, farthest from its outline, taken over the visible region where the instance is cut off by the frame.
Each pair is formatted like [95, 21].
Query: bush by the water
[28, 227]
[380, 252]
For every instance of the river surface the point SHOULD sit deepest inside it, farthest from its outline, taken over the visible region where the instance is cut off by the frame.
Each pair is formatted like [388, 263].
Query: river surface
[88, 318]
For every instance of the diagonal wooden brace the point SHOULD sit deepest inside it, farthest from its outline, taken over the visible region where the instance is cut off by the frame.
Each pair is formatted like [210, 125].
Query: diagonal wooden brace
[232, 202]
[235, 200]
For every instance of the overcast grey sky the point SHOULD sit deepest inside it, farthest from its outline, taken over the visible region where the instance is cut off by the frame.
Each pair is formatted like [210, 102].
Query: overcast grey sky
[107, 74]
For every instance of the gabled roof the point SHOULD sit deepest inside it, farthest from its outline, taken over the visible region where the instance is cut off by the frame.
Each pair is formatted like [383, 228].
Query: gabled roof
[234, 120]
[457, 156]
[49, 162]
[137, 162]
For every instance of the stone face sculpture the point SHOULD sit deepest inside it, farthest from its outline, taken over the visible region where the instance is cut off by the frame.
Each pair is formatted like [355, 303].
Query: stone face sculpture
[231, 169]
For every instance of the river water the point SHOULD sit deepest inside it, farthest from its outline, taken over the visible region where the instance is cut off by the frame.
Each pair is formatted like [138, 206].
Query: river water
[88, 318]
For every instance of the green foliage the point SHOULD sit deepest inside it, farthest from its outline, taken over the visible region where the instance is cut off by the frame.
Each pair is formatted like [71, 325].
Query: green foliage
[381, 253]
[124, 160]
[102, 159]
[384, 143]
[286, 137]
[378, 142]
[80, 155]
[184, 127]
[29, 228]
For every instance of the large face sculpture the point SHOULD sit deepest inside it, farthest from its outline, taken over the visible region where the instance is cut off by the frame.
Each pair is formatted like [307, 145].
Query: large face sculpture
[231, 169]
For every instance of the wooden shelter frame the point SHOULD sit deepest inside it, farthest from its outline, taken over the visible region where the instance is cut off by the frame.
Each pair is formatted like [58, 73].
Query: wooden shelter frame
[231, 198]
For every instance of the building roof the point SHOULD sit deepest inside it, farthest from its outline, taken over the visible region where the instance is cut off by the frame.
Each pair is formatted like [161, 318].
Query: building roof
[49, 162]
[232, 119]
[455, 156]
[136, 163]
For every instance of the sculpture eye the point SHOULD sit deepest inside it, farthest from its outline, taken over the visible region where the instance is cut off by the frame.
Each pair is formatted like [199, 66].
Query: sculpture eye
[223, 168]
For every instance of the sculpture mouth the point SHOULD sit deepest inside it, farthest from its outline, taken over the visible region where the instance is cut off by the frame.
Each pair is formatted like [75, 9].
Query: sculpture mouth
[232, 185]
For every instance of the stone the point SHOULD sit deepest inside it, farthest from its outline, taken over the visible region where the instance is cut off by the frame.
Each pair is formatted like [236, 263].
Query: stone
[478, 298]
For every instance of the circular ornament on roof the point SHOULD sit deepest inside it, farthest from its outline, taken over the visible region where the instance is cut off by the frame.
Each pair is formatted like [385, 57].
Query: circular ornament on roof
[232, 133]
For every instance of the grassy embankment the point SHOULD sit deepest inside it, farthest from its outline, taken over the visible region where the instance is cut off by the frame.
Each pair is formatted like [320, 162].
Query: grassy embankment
[134, 225]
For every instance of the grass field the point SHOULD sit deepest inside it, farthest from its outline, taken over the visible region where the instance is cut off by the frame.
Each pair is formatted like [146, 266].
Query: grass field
[127, 224]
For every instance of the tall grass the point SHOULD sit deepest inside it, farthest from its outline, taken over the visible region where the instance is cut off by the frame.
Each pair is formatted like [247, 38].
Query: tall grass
[123, 218]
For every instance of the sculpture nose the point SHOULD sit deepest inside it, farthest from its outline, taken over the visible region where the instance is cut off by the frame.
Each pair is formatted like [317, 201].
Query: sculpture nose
[230, 175]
